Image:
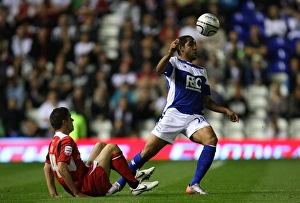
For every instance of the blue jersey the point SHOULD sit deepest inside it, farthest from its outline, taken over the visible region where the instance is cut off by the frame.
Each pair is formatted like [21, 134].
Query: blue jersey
[187, 84]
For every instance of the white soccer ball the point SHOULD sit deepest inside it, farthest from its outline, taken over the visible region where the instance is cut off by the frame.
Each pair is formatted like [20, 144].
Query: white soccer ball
[208, 24]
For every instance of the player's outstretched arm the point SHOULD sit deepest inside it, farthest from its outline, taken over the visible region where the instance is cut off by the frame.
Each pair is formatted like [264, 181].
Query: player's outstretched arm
[213, 106]
[66, 175]
[50, 180]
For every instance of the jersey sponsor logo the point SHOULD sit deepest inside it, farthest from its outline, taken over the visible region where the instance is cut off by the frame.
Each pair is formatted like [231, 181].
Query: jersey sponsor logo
[193, 83]
[68, 150]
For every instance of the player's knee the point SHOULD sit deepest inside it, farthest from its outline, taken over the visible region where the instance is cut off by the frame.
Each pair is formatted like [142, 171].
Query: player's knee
[213, 140]
[100, 145]
[210, 140]
[113, 147]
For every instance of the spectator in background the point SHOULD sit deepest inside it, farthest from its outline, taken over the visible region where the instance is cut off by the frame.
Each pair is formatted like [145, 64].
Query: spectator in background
[86, 10]
[82, 74]
[215, 68]
[64, 25]
[275, 26]
[202, 53]
[234, 71]
[274, 130]
[147, 75]
[126, 52]
[164, 46]
[84, 46]
[149, 25]
[168, 31]
[294, 103]
[154, 8]
[104, 64]
[36, 91]
[147, 81]
[123, 119]
[63, 37]
[6, 30]
[16, 89]
[100, 122]
[127, 32]
[296, 49]
[90, 26]
[256, 72]
[277, 104]
[29, 128]
[61, 80]
[171, 10]
[43, 17]
[100, 105]
[123, 91]
[130, 10]
[4, 67]
[294, 70]
[20, 47]
[216, 91]
[255, 44]
[42, 46]
[78, 102]
[144, 108]
[160, 102]
[99, 80]
[234, 46]
[149, 50]
[45, 110]
[124, 75]
[23, 11]
[293, 20]
[13, 118]
[58, 7]
[238, 103]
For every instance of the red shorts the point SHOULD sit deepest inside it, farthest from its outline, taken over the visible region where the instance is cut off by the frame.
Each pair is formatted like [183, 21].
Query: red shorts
[95, 182]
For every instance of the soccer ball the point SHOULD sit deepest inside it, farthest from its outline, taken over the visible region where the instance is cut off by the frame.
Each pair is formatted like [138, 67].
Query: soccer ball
[208, 24]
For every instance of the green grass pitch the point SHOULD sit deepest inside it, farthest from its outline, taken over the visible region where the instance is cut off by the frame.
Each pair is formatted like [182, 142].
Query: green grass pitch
[226, 181]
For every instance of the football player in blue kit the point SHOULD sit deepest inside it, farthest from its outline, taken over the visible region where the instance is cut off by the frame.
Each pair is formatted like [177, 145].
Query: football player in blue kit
[188, 95]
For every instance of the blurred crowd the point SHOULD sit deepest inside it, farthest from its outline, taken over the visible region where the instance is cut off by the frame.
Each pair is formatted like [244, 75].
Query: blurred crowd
[51, 54]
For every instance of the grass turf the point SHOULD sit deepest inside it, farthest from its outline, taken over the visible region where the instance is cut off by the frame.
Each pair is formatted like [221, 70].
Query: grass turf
[227, 181]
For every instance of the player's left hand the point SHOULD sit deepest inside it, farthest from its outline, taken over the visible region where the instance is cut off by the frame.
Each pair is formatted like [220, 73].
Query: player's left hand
[232, 116]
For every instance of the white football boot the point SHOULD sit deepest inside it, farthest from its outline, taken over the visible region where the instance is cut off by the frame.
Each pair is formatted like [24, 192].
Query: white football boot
[195, 189]
[143, 187]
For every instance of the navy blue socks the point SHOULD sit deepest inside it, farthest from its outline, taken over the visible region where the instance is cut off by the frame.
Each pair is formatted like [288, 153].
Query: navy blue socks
[204, 162]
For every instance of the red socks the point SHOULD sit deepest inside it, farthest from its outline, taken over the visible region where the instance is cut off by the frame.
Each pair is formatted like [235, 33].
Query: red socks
[120, 164]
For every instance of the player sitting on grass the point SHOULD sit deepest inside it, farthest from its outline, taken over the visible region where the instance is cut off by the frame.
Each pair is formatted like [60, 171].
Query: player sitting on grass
[91, 179]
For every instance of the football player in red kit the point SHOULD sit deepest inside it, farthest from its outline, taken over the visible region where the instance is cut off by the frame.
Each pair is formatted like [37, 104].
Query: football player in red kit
[63, 162]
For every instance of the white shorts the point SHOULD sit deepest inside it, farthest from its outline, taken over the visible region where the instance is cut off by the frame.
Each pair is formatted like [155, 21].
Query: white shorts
[173, 123]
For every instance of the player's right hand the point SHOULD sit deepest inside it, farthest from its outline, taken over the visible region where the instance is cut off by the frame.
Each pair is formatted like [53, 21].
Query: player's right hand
[174, 45]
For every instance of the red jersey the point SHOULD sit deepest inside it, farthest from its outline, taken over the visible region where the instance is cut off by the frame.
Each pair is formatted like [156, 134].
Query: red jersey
[63, 149]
